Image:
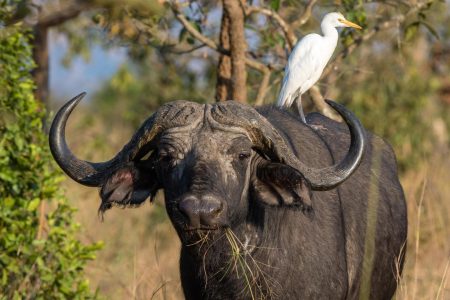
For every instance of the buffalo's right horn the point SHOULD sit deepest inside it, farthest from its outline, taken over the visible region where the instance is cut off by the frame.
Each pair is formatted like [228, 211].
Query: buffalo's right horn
[174, 114]
[268, 140]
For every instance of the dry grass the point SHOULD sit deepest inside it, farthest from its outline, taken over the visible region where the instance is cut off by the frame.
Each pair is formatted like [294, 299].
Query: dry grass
[140, 256]
[428, 251]
[258, 284]
[141, 253]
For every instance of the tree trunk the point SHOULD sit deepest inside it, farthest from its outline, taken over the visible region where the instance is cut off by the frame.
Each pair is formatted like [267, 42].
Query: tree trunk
[223, 86]
[233, 32]
[40, 56]
[40, 49]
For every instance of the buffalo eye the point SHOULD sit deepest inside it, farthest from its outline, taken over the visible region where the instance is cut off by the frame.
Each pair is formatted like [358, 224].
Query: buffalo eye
[244, 155]
[166, 157]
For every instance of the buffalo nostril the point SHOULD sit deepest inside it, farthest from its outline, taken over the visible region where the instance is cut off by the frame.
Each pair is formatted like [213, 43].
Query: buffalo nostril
[211, 211]
[206, 211]
[213, 208]
[189, 207]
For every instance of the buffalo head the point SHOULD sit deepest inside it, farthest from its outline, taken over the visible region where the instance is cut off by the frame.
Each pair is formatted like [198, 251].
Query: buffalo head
[207, 159]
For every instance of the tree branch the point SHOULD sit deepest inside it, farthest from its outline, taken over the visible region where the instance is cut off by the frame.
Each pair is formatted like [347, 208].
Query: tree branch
[263, 87]
[207, 41]
[256, 65]
[306, 14]
[319, 102]
[62, 15]
[194, 32]
[287, 30]
[172, 48]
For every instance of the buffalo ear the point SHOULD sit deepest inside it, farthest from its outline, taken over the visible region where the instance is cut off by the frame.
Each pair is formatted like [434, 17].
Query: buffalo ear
[276, 184]
[129, 186]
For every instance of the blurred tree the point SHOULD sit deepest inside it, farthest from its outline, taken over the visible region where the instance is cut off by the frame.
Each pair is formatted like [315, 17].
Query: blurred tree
[40, 257]
[43, 15]
[270, 28]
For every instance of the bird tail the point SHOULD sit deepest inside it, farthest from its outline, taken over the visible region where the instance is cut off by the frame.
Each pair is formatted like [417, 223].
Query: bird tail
[281, 100]
[282, 97]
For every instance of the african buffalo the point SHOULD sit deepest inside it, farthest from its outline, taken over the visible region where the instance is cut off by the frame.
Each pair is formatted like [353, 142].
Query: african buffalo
[264, 205]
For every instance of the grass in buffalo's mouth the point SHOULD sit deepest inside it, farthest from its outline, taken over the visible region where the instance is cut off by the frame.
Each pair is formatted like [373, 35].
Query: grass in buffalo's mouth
[239, 264]
[246, 267]
[203, 238]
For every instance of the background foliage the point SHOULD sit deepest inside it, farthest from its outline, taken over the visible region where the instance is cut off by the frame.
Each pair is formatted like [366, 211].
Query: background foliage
[40, 257]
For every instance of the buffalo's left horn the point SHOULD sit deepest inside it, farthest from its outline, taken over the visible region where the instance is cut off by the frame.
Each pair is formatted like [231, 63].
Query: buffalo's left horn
[269, 141]
[174, 114]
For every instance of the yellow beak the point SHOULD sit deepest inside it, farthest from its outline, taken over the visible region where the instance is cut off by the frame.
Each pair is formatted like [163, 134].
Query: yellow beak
[349, 24]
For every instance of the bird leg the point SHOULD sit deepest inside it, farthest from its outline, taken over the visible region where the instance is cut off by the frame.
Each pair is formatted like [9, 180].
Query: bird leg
[298, 100]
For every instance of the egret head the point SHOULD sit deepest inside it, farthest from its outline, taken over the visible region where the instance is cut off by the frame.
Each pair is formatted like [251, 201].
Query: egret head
[336, 19]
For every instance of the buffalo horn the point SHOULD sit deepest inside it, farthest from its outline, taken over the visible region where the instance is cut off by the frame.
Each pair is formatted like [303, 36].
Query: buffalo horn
[267, 140]
[173, 114]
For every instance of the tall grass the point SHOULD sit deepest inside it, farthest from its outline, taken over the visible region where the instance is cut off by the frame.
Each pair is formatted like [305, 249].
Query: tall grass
[427, 190]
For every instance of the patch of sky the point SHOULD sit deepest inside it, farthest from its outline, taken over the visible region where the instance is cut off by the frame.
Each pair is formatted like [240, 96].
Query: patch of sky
[81, 75]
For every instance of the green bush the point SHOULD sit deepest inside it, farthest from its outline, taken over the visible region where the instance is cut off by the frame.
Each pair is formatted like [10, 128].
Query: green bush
[40, 257]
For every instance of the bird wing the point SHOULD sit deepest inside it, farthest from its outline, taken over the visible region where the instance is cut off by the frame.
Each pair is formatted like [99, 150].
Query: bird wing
[304, 63]
[284, 98]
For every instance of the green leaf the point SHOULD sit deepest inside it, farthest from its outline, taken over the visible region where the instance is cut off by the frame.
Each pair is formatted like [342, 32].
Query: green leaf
[7, 177]
[9, 202]
[275, 4]
[411, 30]
[190, 40]
[182, 35]
[33, 204]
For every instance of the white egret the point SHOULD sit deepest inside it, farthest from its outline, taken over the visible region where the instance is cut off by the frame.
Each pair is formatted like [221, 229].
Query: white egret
[308, 59]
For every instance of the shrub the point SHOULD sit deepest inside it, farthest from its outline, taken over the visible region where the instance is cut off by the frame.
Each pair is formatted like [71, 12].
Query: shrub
[40, 256]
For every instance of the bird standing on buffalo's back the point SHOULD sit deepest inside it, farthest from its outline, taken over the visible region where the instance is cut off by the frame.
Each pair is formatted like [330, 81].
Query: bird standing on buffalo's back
[308, 59]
